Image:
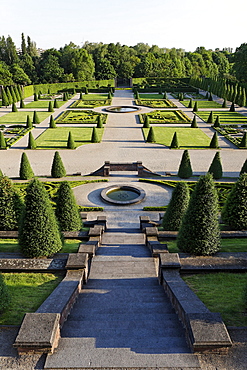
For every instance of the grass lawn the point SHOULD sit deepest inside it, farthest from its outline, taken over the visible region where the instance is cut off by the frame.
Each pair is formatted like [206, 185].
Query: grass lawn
[94, 96]
[90, 103]
[17, 118]
[151, 96]
[43, 104]
[202, 104]
[187, 137]
[227, 245]
[226, 117]
[28, 291]
[11, 246]
[57, 138]
[222, 292]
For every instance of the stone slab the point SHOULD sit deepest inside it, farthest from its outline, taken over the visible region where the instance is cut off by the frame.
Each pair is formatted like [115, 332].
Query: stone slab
[77, 261]
[170, 261]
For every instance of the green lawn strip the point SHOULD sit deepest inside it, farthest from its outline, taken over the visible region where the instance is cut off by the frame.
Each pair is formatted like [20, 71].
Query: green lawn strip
[151, 96]
[11, 246]
[94, 96]
[57, 138]
[43, 104]
[202, 104]
[90, 103]
[222, 292]
[28, 291]
[20, 117]
[231, 245]
[187, 137]
[226, 117]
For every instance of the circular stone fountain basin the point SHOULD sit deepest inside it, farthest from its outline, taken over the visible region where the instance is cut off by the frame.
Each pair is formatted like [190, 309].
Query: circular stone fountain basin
[122, 194]
[122, 109]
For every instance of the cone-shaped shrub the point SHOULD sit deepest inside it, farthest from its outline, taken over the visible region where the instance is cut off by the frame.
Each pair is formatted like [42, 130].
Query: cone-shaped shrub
[57, 168]
[39, 232]
[151, 136]
[12, 91]
[210, 98]
[10, 205]
[243, 143]
[5, 100]
[20, 91]
[99, 122]
[190, 103]
[244, 168]
[31, 142]
[70, 141]
[81, 96]
[52, 123]
[194, 123]
[165, 95]
[35, 118]
[94, 137]
[224, 104]
[109, 96]
[65, 96]
[232, 107]
[176, 207]
[207, 95]
[22, 104]
[214, 142]
[86, 90]
[199, 233]
[195, 108]
[234, 212]
[4, 295]
[26, 171]
[174, 142]
[35, 97]
[18, 97]
[10, 99]
[3, 144]
[146, 122]
[210, 118]
[216, 167]
[67, 210]
[29, 122]
[185, 169]
[50, 107]
[217, 121]
[14, 109]
[1, 173]
[55, 104]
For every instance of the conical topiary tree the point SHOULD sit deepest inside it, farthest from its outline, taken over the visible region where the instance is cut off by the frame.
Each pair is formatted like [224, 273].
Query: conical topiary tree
[210, 98]
[210, 118]
[35, 97]
[99, 122]
[57, 168]
[217, 121]
[174, 142]
[14, 109]
[29, 122]
[216, 167]
[10, 205]
[25, 171]
[94, 137]
[151, 136]
[22, 104]
[243, 143]
[5, 298]
[12, 91]
[18, 97]
[224, 105]
[214, 142]
[244, 168]
[9, 96]
[31, 142]
[234, 211]
[55, 104]
[5, 100]
[38, 232]
[65, 98]
[70, 141]
[66, 209]
[3, 144]
[232, 107]
[52, 123]
[165, 95]
[194, 123]
[190, 103]
[195, 108]
[185, 169]
[199, 233]
[36, 119]
[50, 107]
[176, 207]
[146, 122]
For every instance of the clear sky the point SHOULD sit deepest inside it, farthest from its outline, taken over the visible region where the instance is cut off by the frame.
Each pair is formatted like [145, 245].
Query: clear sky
[184, 24]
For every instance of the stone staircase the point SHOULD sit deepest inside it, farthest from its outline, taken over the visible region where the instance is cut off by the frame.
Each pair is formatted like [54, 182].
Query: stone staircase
[122, 318]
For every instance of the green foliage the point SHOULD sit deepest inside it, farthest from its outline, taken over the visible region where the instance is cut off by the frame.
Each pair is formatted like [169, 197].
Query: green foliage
[38, 232]
[244, 168]
[26, 171]
[199, 233]
[31, 142]
[55, 104]
[50, 107]
[216, 167]
[29, 122]
[10, 205]
[176, 207]
[57, 168]
[14, 109]
[217, 121]
[195, 108]
[165, 95]
[35, 118]
[224, 104]
[174, 142]
[10, 98]
[151, 136]
[190, 103]
[185, 169]
[99, 122]
[52, 123]
[243, 143]
[194, 123]
[66, 209]
[3, 144]
[234, 212]
[95, 138]
[146, 122]
[4, 295]
[214, 142]
[70, 141]
[210, 98]
[35, 97]
[232, 107]
[210, 118]
[5, 100]
[22, 104]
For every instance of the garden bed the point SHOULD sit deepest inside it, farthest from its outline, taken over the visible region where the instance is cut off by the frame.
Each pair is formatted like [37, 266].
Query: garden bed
[226, 117]
[155, 103]
[164, 117]
[80, 117]
[43, 104]
[234, 135]
[90, 103]
[202, 103]
[21, 117]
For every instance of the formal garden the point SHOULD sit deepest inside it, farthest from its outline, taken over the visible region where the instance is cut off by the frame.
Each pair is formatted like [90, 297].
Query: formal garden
[165, 117]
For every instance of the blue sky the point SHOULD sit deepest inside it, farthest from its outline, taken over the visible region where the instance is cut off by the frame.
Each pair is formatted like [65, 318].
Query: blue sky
[184, 24]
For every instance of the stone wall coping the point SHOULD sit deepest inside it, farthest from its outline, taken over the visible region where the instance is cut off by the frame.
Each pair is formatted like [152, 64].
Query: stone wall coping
[77, 261]
[151, 231]
[27, 264]
[169, 260]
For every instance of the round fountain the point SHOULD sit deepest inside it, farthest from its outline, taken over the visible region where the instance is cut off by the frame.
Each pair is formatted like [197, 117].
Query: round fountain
[122, 195]
[122, 109]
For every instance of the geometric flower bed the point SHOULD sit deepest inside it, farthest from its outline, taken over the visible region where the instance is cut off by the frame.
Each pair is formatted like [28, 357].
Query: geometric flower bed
[90, 103]
[234, 135]
[174, 117]
[155, 103]
[202, 104]
[81, 117]
[226, 117]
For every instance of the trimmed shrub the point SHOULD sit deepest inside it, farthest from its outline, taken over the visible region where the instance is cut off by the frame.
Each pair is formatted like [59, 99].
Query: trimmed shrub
[214, 142]
[224, 104]
[26, 171]
[234, 212]
[4, 295]
[50, 107]
[185, 169]
[146, 122]
[216, 167]
[52, 123]
[38, 232]
[174, 142]
[243, 143]
[81, 96]
[55, 104]
[12, 91]
[1, 173]
[9, 96]
[151, 136]
[14, 109]
[190, 103]
[99, 122]
[232, 107]
[86, 90]
[165, 95]
[18, 97]
[35, 118]
[94, 137]
[244, 168]
[29, 122]
[194, 123]
[67, 211]
[35, 97]
[217, 121]
[199, 233]
[22, 104]
[210, 98]
[176, 207]
[70, 141]
[195, 108]
[10, 205]
[210, 118]
[5, 100]
[31, 142]
[57, 168]
[65, 98]
[3, 144]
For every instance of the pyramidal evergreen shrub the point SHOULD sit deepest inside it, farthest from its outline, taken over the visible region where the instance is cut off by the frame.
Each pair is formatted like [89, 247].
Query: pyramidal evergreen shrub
[10, 205]
[14, 109]
[210, 98]
[244, 168]
[70, 141]
[57, 168]
[234, 211]
[210, 118]
[151, 136]
[67, 211]
[3, 144]
[36, 119]
[35, 97]
[5, 298]
[243, 143]
[25, 171]
[29, 122]
[10, 99]
[217, 121]
[31, 142]
[224, 104]
[176, 207]
[12, 91]
[214, 142]
[94, 137]
[165, 95]
[199, 233]
[146, 122]
[194, 123]
[39, 234]
[50, 107]
[22, 104]
[99, 122]
[190, 103]
[185, 169]
[52, 123]
[174, 142]
[5, 100]
[55, 104]
[232, 107]
[195, 108]
[216, 167]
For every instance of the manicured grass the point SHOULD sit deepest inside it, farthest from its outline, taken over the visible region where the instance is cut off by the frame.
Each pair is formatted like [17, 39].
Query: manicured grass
[222, 292]
[28, 291]
[226, 117]
[227, 245]
[20, 117]
[202, 104]
[94, 96]
[57, 138]
[90, 103]
[11, 246]
[187, 137]
[43, 104]
[151, 96]
[70, 246]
